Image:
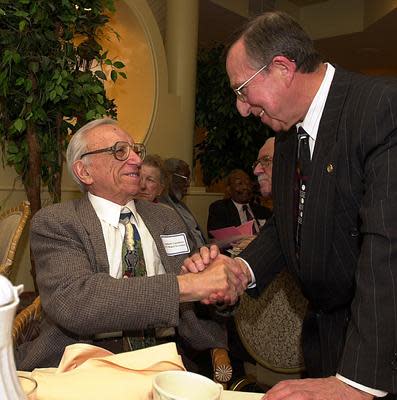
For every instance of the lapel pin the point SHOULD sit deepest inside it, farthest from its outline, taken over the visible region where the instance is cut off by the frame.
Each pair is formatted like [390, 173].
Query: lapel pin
[330, 168]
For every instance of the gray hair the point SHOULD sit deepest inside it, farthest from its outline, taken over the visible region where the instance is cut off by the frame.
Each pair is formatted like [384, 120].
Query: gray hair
[78, 146]
[277, 33]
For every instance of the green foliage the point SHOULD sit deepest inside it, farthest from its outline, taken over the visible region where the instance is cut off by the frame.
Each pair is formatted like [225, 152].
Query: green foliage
[52, 73]
[231, 141]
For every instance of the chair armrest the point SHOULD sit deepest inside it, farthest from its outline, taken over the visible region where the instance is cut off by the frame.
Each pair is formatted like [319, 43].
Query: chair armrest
[221, 365]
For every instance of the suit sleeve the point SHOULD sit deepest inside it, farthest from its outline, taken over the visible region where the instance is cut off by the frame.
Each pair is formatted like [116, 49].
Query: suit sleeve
[264, 256]
[83, 301]
[370, 355]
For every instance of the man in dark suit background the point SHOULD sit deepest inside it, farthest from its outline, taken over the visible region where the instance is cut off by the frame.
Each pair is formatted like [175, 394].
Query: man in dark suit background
[77, 246]
[344, 256]
[238, 208]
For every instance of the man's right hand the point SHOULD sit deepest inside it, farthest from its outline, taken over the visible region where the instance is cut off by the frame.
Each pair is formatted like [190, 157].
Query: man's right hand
[200, 261]
[221, 280]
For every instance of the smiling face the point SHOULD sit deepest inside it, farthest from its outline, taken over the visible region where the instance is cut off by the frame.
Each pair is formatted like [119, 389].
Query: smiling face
[268, 95]
[240, 187]
[102, 174]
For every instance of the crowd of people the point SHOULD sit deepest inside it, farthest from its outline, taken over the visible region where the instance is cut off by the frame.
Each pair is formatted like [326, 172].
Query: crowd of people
[128, 265]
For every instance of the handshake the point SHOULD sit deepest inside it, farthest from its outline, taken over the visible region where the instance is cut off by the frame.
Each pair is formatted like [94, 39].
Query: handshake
[211, 277]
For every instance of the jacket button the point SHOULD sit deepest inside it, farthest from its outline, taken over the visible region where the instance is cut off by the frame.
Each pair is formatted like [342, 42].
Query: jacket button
[354, 232]
[330, 168]
[393, 363]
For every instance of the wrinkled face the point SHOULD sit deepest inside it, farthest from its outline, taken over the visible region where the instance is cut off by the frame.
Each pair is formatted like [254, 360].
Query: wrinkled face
[180, 181]
[240, 188]
[151, 186]
[264, 170]
[266, 95]
[102, 174]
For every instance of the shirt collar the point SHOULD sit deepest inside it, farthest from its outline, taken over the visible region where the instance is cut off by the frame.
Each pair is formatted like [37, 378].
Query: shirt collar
[108, 211]
[313, 116]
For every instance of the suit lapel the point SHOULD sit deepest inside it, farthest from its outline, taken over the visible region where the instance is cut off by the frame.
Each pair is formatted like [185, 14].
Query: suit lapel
[233, 212]
[91, 222]
[318, 223]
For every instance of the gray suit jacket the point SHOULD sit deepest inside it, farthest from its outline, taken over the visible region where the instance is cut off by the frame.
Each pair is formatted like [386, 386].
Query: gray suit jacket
[81, 299]
[348, 259]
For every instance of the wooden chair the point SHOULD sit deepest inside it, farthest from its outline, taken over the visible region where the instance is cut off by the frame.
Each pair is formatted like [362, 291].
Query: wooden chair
[12, 223]
[26, 323]
[270, 329]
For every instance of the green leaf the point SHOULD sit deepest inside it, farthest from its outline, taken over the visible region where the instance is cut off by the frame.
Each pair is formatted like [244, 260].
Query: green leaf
[20, 13]
[2, 12]
[108, 62]
[22, 25]
[90, 115]
[34, 66]
[20, 125]
[123, 74]
[113, 75]
[118, 64]
[100, 75]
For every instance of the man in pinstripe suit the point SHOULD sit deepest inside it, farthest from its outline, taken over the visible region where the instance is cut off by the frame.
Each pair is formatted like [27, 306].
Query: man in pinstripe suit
[346, 263]
[77, 249]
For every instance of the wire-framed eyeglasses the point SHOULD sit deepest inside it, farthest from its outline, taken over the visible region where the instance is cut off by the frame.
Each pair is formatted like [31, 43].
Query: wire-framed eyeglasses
[239, 91]
[121, 150]
[265, 162]
[185, 178]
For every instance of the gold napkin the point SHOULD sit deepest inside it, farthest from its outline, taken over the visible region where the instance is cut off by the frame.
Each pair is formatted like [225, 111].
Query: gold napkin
[91, 373]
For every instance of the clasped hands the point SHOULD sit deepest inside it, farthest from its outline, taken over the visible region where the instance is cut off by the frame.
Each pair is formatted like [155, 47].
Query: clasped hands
[222, 279]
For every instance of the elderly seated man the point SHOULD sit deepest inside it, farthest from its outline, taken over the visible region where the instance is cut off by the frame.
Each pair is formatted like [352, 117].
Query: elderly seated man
[107, 266]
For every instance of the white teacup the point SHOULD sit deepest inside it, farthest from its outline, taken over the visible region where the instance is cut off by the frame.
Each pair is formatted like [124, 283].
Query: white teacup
[182, 385]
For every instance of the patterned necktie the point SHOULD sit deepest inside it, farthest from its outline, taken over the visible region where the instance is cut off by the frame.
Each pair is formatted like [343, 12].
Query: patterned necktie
[250, 218]
[303, 173]
[133, 261]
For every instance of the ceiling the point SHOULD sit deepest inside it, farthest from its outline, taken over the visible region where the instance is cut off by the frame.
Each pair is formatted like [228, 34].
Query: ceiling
[371, 51]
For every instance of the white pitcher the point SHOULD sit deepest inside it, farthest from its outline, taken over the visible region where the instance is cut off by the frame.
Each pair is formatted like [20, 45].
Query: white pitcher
[10, 388]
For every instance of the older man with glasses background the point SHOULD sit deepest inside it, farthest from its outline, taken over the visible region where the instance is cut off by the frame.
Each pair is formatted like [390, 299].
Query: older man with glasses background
[108, 266]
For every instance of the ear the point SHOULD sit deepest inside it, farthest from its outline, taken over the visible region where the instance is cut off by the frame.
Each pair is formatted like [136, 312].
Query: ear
[81, 171]
[286, 67]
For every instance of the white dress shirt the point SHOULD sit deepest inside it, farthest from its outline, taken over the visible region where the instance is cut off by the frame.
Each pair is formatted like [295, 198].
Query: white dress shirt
[113, 233]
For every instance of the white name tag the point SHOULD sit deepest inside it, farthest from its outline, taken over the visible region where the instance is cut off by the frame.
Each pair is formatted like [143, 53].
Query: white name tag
[175, 244]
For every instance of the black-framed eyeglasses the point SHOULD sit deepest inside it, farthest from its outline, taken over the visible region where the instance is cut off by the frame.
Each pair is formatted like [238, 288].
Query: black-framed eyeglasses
[265, 162]
[239, 91]
[185, 178]
[121, 150]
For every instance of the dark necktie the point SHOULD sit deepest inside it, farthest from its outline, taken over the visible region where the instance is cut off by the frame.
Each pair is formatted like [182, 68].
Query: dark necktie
[250, 217]
[303, 173]
[133, 263]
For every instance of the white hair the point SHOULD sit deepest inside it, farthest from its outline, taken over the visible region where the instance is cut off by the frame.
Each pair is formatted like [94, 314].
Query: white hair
[78, 146]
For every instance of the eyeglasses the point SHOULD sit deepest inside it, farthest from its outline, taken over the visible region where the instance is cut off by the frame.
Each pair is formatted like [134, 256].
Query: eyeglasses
[265, 162]
[239, 91]
[185, 178]
[121, 150]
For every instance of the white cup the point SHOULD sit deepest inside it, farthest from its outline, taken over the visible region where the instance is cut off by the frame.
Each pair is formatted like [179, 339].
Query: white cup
[182, 385]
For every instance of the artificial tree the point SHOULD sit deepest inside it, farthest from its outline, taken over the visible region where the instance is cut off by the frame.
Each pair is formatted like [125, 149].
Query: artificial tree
[230, 141]
[52, 73]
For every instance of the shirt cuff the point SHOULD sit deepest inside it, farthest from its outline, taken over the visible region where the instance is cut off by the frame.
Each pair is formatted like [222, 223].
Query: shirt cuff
[253, 280]
[374, 392]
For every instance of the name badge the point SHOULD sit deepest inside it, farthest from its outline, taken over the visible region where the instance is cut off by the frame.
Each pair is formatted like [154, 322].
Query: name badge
[175, 244]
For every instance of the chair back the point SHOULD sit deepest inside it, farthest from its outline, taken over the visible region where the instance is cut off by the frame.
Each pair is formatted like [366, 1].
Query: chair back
[12, 223]
[270, 326]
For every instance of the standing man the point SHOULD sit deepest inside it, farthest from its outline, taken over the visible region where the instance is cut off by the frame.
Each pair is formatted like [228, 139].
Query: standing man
[343, 247]
[96, 286]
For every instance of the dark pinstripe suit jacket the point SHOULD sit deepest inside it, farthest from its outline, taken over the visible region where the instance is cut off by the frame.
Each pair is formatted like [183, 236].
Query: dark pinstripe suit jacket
[79, 296]
[348, 259]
